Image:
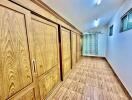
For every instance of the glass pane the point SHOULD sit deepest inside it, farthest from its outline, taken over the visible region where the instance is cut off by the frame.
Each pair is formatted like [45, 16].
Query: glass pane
[111, 31]
[130, 20]
[124, 23]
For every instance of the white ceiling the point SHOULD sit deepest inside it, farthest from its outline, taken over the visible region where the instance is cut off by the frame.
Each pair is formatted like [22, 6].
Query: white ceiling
[82, 13]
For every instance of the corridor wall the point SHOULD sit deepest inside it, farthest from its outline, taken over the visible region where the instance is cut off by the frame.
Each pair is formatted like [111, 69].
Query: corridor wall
[119, 52]
[32, 57]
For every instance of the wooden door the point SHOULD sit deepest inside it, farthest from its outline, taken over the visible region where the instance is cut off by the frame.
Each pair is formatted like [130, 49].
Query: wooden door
[66, 51]
[74, 48]
[15, 69]
[46, 51]
[78, 46]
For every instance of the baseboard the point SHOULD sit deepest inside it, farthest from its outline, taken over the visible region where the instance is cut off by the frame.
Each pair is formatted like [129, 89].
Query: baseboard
[119, 80]
[93, 56]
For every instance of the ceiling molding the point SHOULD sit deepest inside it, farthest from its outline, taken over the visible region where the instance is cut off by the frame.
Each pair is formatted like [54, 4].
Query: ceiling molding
[47, 8]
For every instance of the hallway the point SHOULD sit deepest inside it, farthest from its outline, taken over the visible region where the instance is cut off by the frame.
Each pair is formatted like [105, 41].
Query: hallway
[91, 79]
[65, 50]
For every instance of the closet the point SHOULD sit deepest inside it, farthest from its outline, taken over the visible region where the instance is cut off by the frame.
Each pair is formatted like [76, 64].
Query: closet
[32, 57]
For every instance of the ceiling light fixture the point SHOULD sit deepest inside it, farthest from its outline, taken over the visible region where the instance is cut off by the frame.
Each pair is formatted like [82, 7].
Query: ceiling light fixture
[98, 2]
[96, 22]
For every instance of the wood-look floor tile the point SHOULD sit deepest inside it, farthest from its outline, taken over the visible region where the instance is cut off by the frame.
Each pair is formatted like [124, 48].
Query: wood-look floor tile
[90, 79]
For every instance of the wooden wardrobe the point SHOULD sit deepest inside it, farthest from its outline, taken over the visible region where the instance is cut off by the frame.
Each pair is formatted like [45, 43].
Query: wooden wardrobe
[32, 57]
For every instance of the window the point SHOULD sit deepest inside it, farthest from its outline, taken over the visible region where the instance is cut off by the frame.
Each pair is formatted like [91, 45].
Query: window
[130, 20]
[126, 21]
[111, 31]
[90, 44]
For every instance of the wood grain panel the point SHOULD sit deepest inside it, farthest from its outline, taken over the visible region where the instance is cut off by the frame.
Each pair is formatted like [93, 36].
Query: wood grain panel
[48, 82]
[78, 47]
[66, 52]
[39, 30]
[74, 48]
[26, 96]
[66, 66]
[46, 44]
[46, 50]
[15, 72]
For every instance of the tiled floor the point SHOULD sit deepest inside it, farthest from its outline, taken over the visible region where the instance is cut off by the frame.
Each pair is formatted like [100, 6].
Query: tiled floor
[91, 79]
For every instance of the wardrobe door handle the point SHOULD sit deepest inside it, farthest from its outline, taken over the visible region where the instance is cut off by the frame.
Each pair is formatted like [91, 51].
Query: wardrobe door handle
[34, 65]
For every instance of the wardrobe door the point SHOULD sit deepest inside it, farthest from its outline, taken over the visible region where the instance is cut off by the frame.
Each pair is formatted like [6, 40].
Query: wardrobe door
[15, 71]
[46, 50]
[66, 52]
[78, 46]
[74, 48]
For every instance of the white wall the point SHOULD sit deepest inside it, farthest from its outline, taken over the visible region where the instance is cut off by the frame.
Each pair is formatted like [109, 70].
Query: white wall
[102, 38]
[119, 50]
[102, 41]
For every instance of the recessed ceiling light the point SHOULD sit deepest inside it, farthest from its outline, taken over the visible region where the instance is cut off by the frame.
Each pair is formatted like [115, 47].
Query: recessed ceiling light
[98, 2]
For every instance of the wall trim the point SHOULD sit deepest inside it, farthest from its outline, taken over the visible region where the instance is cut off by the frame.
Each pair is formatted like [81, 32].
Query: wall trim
[93, 56]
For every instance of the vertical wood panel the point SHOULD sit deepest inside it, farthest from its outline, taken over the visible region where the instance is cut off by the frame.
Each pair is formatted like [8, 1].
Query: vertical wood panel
[48, 82]
[79, 46]
[15, 72]
[46, 50]
[66, 52]
[46, 45]
[74, 48]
